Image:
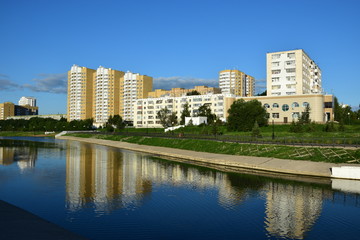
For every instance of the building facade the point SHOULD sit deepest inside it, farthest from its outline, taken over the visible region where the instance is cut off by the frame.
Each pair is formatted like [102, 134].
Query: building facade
[280, 109]
[178, 92]
[133, 87]
[7, 109]
[80, 92]
[236, 82]
[292, 73]
[31, 101]
[145, 110]
[104, 92]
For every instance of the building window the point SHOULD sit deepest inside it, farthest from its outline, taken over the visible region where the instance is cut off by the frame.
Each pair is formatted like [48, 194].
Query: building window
[275, 79]
[275, 105]
[295, 104]
[275, 71]
[275, 56]
[290, 70]
[285, 107]
[291, 55]
[275, 115]
[295, 115]
[266, 105]
[328, 104]
[305, 104]
[275, 64]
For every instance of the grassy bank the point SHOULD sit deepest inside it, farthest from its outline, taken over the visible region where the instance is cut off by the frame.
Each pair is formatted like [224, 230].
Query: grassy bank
[333, 155]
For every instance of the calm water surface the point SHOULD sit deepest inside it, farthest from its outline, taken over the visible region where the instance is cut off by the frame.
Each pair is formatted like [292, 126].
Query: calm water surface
[106, 193]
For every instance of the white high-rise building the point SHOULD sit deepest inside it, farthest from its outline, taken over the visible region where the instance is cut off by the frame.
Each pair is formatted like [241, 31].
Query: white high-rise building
[27, 101]
[292, 73]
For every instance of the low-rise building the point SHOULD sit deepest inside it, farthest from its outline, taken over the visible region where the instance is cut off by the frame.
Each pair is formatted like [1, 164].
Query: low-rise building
[281, 109]
[145, 110]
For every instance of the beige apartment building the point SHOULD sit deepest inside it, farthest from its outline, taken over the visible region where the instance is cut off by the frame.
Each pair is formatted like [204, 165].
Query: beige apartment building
[7, 109]
[132, 87]
[178, 92]
[104, 92]
[281, 109]
[80, 93]
[292, 73]
[236, 82]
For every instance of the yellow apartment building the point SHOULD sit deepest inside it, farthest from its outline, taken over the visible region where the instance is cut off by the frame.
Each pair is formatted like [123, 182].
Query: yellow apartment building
[7, 109]
[236, 82]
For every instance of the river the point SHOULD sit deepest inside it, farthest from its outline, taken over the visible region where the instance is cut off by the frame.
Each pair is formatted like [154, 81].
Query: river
[107, 193]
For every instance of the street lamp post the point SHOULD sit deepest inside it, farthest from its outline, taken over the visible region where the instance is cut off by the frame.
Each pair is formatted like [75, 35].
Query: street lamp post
[273, 130]
[349, 117]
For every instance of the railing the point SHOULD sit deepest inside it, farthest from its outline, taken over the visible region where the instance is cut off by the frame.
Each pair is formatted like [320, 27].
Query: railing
[294, 141]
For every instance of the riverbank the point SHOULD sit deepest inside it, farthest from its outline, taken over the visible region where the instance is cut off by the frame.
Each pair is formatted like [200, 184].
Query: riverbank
[266, 164]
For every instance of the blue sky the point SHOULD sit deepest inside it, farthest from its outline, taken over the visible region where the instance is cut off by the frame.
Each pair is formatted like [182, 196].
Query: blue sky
[179, 43]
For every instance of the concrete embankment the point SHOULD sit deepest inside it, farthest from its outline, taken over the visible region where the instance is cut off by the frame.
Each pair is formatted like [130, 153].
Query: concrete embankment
[16, 223]
[270, 165]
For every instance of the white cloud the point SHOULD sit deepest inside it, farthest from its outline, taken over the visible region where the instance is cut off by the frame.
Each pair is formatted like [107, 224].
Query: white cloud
[51, 83]
[183, 82]
[260, 85]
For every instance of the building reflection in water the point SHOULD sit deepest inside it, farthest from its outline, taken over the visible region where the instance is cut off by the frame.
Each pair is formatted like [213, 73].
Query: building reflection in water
[118, 179]
[112, 179]
[292, 210]
[24, 157]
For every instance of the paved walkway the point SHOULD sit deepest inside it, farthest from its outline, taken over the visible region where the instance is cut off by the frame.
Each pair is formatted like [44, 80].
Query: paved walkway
[297, 167]
[16, 223]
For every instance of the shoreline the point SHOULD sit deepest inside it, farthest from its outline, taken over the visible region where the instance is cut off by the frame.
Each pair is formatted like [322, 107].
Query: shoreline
[271, 166]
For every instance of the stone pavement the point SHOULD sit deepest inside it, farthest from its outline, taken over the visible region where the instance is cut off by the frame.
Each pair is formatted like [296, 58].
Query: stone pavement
[274, 165]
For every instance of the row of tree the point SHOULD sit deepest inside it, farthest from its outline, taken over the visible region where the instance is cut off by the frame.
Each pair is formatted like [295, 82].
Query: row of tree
[44, 124]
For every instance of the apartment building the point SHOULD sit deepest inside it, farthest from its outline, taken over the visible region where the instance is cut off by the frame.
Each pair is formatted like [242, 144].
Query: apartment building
[7, 109]
[31, 101]
[80, 93]
[292, 73]
[104, 92]
[145, 110]
[178, 92]
[133, 87]
[236, 82]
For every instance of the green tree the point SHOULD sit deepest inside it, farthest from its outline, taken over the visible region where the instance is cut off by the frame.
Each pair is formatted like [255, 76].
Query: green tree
[242, 115]
[192, 93]
[184, 113]
[166, 118]
[116, 122]
[205, 111]
[305, 116]
[255, 132]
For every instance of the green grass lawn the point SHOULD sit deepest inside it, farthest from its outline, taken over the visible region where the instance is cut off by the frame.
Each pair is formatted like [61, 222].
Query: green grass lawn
[351, 131]
[23, 134]
[333, 155]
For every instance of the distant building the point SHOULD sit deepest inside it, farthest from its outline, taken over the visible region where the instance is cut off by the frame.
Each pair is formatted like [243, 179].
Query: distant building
[9, 109]
[31, 101]
[236, 82]
[178, 92]
[292, 73]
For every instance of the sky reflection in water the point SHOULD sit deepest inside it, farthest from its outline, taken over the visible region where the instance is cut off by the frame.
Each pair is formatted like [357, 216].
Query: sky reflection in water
[107, 193]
